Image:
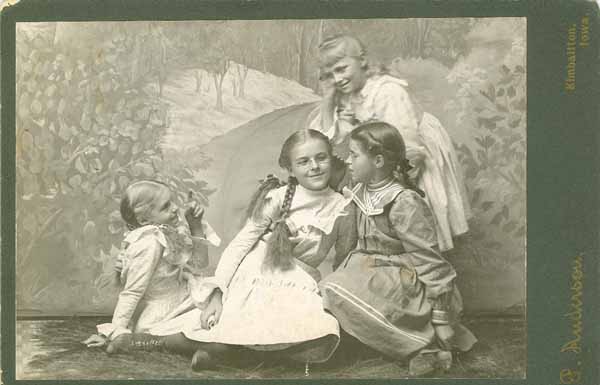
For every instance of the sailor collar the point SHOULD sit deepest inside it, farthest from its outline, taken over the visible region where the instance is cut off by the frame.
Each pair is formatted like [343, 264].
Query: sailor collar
[373, 201]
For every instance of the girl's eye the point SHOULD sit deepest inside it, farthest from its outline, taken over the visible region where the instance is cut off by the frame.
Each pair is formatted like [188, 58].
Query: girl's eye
[302, 162]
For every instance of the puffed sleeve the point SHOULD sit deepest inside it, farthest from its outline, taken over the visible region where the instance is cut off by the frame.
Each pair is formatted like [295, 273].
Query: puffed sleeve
[392, 104]
[413, 223]
[143, 257]
[239, 247]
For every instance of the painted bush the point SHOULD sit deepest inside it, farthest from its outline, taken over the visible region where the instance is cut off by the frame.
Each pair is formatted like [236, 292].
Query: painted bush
[85, 130]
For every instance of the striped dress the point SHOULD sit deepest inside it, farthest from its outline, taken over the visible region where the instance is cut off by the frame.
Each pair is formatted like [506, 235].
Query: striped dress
[384, 291]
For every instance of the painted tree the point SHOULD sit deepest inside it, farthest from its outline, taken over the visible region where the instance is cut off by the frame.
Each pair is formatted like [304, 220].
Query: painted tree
[157, 46]
[243, 36]
[210, 50]
[306, 37]
[217, 63]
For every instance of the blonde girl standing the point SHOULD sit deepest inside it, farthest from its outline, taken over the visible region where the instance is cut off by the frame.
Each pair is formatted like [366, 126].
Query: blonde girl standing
[356, 93]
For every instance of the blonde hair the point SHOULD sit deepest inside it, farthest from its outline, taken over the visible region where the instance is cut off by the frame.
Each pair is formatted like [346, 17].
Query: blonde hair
[139, 199]
[337, 47]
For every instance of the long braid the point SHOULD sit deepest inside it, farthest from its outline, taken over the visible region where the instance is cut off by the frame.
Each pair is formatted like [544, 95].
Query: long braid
[279, 247]
[257, 202]
[289, 196]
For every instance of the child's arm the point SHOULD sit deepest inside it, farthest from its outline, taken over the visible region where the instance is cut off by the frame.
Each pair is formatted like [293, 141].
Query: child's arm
[240, 246]
[412, 221]
[212, 313]
[201, 233]
[144, 255]
[347, 235]
[328, 105]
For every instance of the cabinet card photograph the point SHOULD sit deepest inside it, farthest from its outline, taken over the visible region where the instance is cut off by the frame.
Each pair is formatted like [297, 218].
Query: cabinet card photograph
[259, 199]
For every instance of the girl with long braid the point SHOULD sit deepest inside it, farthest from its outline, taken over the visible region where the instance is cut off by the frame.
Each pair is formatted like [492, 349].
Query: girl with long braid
[264, 293]
[395, 292]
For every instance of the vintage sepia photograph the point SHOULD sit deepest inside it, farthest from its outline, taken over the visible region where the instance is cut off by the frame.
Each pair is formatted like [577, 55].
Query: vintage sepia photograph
[258, 199]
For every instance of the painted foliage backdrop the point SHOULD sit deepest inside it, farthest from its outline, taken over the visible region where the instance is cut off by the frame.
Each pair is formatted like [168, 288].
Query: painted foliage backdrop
[102, 104]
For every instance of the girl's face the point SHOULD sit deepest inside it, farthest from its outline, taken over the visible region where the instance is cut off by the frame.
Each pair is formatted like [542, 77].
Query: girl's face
[164, 210]
[348, 74]
[361, 164]
[311, 164]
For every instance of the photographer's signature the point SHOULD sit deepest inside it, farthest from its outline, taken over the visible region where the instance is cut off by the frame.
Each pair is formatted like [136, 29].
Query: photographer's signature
[575, 315]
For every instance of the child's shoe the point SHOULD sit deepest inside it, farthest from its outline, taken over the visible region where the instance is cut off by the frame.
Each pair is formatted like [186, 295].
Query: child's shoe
[135, 341]
[426, 361]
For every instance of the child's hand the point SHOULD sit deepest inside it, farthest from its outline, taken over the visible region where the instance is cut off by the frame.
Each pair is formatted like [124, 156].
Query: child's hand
[347, 115]
[119, 265]
[211, 315]
[444, 334]
[193, 215]
[95, 341]
[328, 88]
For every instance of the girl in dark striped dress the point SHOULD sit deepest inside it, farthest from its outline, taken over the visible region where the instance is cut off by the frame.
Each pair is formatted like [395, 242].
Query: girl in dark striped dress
[395, 292]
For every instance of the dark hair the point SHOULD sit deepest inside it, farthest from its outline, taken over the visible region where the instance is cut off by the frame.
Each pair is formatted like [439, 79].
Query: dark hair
[380, 138]
[279, 247]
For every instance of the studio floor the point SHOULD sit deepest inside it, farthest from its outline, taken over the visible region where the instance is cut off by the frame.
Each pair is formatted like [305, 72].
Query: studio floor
[52, 349]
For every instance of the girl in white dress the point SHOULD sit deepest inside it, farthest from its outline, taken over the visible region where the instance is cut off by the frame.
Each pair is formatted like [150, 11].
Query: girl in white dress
[264, 294]
[160, 259]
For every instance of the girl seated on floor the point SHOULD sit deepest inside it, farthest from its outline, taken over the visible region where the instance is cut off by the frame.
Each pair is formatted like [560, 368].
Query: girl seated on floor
[395, 292]
[160, 259]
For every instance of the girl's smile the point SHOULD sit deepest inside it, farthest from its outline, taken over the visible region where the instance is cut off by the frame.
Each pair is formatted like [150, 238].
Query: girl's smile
[348, 74]
[311, 164]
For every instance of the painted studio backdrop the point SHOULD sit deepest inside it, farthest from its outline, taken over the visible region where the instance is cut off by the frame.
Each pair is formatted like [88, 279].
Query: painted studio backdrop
[206, 106]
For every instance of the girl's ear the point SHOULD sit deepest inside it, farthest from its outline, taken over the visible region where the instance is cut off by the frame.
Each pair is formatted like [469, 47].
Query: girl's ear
[141, 220]
[379, 161]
